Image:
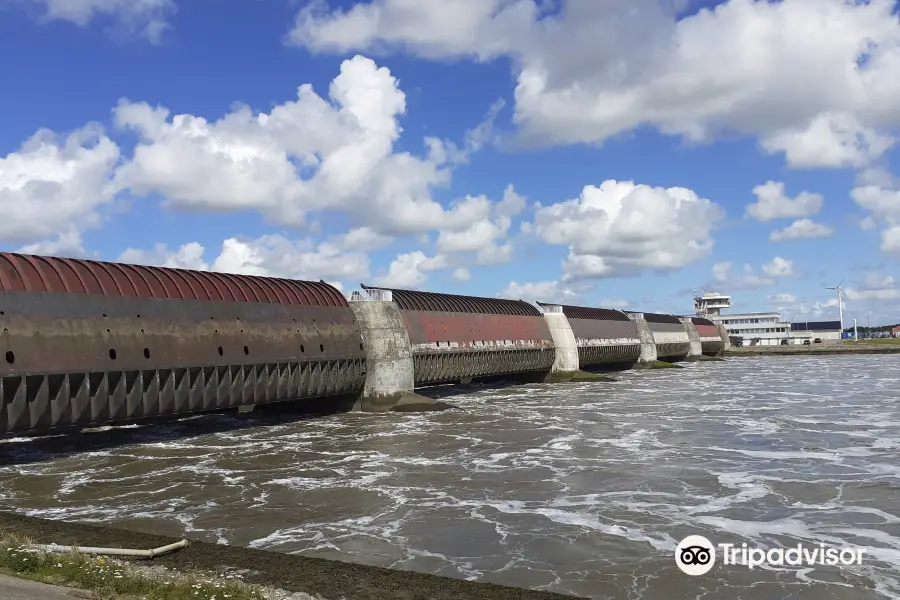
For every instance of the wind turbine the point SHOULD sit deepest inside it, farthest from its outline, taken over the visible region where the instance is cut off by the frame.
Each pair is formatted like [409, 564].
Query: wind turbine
[840, 293]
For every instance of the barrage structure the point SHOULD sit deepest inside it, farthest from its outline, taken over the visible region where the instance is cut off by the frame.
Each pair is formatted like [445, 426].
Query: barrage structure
[88, 343]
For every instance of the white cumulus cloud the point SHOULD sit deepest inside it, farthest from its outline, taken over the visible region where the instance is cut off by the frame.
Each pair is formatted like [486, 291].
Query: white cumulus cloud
[146, 17]
[541, 291]
[779, 267]
[410, 270]
[622, 228]
[54, 187]
[772, 203]
[309, 154]
[268, 256]
[801, 229]
[883, 205]
[814, 79]
[724, 275]
[462, 274]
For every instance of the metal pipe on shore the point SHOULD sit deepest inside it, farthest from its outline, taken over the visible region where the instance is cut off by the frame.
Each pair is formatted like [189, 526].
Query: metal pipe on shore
[112, 551]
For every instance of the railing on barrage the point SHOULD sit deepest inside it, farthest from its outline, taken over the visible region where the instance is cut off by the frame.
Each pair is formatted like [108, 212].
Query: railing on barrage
[373, 295]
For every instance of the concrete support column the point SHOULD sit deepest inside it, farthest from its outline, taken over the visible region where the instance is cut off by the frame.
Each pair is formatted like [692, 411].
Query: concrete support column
[566, 365]
[563, 339]
[696, 351]
[390, 375]
[726, 338]
[648, 345]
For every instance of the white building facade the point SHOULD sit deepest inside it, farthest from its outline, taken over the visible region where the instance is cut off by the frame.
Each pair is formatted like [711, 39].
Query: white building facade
[764, 329]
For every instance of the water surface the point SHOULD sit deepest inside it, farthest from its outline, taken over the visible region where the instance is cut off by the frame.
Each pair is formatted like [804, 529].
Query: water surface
[576, 488]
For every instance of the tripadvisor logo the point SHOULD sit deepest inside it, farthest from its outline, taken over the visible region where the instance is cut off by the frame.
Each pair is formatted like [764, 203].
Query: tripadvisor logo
[696, 555]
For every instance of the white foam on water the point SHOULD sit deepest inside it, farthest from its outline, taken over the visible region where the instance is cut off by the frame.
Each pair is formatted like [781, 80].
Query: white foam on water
[749, 450]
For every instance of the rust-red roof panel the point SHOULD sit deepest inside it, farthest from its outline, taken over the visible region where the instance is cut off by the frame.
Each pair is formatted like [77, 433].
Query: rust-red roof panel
[23, 272]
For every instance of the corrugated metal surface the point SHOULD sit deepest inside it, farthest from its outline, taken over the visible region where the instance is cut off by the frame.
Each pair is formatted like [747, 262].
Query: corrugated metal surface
[661, 318]
[467, 328]
[23, 272]
[592, 329]
[702, 321]
[584, 312]
[708, 331]
[667, 327]
[442, 367]
[459, 337]
[142, 342]
[609, 354]
[430, 301]
[605, 342]
[453, 346]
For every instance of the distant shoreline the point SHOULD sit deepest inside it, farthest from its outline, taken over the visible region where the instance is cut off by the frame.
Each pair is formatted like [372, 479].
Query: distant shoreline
[815, 350]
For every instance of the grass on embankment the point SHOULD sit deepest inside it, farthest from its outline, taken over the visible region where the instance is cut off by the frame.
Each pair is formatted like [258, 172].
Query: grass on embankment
[110, 578]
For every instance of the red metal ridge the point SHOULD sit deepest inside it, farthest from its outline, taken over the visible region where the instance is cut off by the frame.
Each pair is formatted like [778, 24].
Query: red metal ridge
[431, 301]
[25, 272]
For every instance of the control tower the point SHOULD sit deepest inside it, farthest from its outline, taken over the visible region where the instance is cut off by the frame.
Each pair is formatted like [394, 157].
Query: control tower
[710, 303]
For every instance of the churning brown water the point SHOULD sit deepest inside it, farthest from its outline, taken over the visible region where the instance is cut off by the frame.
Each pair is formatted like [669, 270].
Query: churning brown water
[575, 488]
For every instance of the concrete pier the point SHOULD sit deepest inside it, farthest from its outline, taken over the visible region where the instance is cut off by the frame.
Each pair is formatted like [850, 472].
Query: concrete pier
[696, 351]
[390, 377]
[565, 365]
[648, 344]
[726, 338]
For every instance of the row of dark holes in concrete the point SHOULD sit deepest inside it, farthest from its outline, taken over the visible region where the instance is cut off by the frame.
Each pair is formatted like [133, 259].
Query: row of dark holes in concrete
[139, 316]
[11, 357]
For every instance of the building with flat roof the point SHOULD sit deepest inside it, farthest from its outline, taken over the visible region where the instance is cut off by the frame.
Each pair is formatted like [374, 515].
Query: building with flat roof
[765, 328]
[757, 328]
[822, 330]
[711, 303]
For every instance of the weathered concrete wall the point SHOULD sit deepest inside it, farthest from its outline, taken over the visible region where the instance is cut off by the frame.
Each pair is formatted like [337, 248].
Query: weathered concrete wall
[710, 337]
[696, 347]
[566, 360]
[671, 339]
[726, 338]
[606, 341]
[389, 356]
[645, 335]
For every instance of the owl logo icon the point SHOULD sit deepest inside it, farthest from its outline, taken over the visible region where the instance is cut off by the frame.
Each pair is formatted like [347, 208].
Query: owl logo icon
[695, 555]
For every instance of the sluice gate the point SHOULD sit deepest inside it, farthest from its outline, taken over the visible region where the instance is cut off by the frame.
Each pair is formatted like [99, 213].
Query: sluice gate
[671, 339]
[88, 343]
[603, 336]
[710, 338]
[463, 337]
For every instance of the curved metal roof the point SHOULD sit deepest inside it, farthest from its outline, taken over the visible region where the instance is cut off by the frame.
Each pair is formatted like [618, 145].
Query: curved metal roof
[659, 318]
[25, 272]
[431, 301]
[701, 321]
[585, 312]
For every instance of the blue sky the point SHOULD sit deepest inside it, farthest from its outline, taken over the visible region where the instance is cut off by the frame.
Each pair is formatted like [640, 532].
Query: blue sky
[606, 154]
